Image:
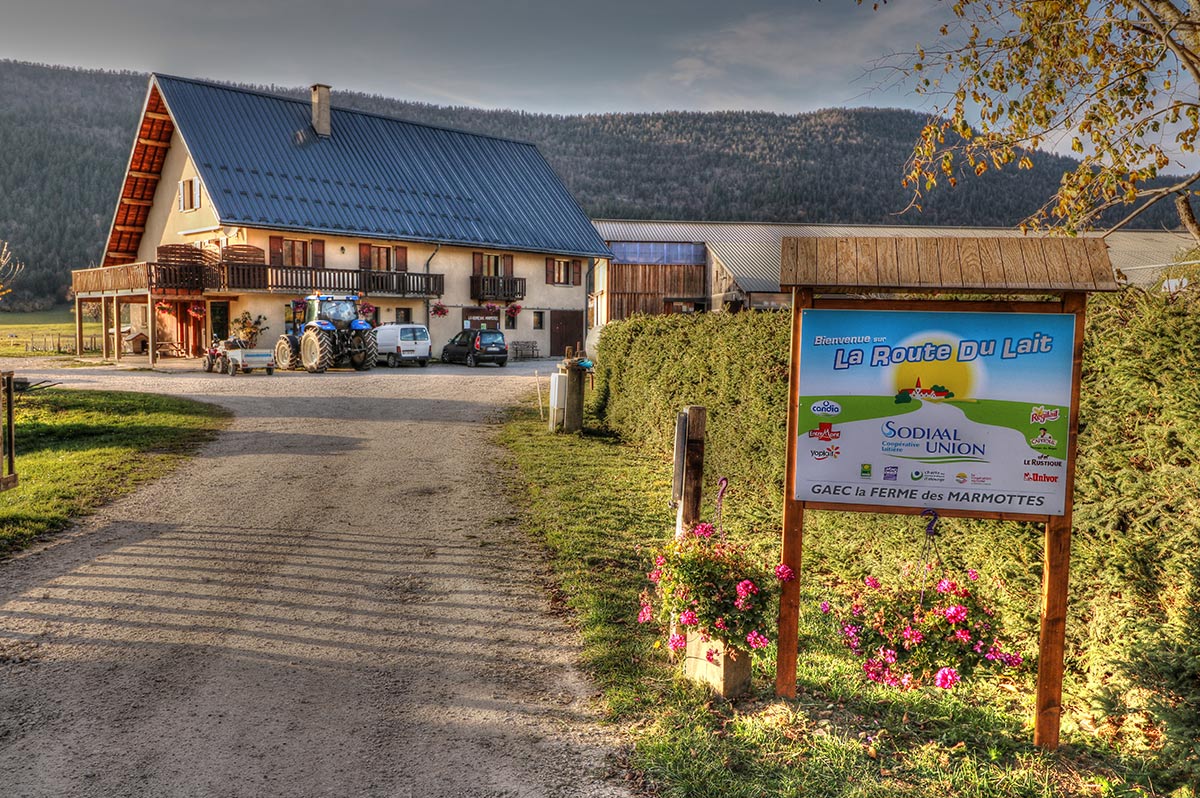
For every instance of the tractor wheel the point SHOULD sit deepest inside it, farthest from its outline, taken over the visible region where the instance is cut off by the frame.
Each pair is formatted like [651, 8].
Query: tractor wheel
[364, 349]
[316, 350]
[208, 363]
[471, 360]
[286, 356]
[231, 368]
[391, 360]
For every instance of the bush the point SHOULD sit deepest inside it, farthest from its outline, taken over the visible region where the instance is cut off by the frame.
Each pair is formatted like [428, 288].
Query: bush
[1133, 656]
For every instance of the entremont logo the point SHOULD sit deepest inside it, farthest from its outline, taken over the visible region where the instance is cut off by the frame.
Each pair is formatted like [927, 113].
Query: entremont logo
[825, 432]
[828, 453]
[1040, 415]
[1031, 476]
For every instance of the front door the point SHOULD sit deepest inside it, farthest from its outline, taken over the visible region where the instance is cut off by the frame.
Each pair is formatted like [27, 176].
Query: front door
[218, 314]
[566, 329]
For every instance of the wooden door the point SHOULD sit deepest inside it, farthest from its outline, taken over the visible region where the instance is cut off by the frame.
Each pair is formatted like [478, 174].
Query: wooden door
[566, 329]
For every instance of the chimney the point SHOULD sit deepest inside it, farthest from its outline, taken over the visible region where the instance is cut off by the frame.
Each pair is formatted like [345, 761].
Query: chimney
[320, 109]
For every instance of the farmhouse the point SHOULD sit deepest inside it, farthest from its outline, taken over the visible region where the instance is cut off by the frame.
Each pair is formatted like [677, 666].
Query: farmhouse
[682, 267]
[239, 202]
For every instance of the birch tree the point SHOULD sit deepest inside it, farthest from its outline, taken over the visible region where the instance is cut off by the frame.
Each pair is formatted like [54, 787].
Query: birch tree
[9, 268]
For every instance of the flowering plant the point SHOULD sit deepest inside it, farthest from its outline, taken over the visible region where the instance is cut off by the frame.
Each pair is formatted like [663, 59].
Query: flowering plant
[513, 311]
[438, 309]
[907, 637]
[491, 307]
[196, 310]
[366, 310]
[707, 585]
[298, 305]
[162, 306]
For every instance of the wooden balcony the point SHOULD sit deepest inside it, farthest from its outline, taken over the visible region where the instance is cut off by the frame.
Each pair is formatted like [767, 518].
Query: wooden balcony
[486, 288]
[226, 277]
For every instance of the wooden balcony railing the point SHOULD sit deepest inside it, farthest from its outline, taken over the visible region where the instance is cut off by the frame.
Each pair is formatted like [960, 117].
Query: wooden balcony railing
[228, 276]
[485, 288]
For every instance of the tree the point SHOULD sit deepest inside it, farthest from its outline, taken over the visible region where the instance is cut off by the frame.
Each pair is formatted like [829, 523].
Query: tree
[1117, 80]
[9, 268]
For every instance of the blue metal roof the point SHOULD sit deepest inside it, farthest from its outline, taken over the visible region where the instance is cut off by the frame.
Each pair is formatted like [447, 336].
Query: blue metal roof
[374, 177]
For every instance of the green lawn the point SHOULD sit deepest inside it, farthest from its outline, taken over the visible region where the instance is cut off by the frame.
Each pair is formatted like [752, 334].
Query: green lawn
[598, 506]
[77, 450]
[38, 333]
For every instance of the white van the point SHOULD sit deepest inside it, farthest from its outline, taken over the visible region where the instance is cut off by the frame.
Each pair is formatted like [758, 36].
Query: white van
[402, 342]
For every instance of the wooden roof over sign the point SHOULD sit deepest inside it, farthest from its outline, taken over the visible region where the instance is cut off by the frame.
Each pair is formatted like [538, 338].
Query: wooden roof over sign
[1009, 265]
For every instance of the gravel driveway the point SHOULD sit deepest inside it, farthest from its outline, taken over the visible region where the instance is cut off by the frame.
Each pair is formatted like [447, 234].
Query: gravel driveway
[332, 599]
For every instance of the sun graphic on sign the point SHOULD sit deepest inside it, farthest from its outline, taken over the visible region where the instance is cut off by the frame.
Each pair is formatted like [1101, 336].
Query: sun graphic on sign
[933, 379]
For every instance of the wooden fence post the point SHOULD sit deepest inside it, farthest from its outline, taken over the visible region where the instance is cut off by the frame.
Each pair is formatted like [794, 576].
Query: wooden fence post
[693, 470]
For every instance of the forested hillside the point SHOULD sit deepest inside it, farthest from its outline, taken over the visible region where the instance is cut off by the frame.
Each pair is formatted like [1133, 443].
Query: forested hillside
[65, 136]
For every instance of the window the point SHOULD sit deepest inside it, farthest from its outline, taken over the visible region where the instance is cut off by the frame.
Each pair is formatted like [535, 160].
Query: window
[295, 253]
[381, 259]
[492, 266]
[189, 194]
[510, 322]
[403, 315]
[539, 320]
[562, 272]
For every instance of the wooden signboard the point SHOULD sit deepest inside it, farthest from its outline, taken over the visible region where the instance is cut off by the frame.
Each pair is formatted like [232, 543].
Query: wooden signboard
[897, 405]
[8, 466]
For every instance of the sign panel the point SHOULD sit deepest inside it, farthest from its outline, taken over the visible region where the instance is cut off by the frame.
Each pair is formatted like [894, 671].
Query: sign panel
[964, 411]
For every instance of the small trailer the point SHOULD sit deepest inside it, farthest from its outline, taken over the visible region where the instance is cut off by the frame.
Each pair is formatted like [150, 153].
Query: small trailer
[230, 357]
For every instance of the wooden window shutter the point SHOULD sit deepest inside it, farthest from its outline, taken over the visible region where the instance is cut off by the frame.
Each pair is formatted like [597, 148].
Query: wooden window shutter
[549, 271]
[318, 253]
[181, 196]
[401, 259]
[276, 248]
[195, 192]
[576, 272]
[364, 256]
[507, 262]
[476, 263]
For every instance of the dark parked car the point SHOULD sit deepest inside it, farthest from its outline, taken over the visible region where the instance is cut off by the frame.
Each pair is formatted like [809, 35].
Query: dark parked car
[476, 346]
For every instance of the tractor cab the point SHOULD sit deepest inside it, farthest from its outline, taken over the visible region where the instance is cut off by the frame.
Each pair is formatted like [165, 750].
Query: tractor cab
[333, 313]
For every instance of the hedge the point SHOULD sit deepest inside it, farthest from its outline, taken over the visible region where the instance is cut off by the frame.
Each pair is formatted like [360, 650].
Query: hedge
[1134, 623]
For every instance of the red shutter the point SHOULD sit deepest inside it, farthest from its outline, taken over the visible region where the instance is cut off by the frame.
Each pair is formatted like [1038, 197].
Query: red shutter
[276, 248]
[576, 272]
[507, 263]
[318, 253]
[476, 263]
[549, 271]
[401, 259]
[364, 256]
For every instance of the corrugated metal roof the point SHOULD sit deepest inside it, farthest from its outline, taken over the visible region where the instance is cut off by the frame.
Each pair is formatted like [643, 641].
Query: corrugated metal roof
[751, 251]
[374, 177]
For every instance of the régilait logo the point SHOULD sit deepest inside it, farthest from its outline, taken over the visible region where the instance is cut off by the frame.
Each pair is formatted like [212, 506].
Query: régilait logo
[1031, 476]
[891, 473]
[825, 407]
[1040, 415]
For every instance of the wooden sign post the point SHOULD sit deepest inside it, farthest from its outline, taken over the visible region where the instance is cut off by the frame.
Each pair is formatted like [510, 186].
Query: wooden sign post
[8, 464]
[985, 413]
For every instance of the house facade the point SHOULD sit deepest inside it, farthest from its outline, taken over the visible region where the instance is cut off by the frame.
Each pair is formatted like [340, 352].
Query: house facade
[236, 203]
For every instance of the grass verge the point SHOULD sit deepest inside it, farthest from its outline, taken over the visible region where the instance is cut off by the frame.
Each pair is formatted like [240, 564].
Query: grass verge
[77, 450]
[36, 333]
[597, 505]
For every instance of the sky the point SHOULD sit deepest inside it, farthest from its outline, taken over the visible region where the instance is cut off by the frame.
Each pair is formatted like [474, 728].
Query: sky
[544, 56]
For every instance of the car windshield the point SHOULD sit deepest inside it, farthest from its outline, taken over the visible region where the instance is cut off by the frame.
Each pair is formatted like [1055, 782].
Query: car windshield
[339, 310]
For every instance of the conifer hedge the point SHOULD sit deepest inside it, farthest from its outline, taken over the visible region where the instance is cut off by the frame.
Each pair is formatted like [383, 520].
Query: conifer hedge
[1134, 623]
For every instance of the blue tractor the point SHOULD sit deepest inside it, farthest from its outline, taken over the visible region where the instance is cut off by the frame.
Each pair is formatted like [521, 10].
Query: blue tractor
[328, 335]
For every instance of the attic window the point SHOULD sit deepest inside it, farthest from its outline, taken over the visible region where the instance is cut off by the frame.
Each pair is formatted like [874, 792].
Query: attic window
[189, 194]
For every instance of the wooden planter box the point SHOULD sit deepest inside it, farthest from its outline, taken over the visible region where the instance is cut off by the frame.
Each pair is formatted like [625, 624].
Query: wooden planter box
[727, 676]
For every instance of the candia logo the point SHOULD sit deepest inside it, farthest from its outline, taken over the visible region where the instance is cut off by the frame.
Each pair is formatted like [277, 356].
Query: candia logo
[826, 407]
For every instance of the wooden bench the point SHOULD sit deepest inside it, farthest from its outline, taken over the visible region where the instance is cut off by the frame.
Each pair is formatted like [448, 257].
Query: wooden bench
[522, 350]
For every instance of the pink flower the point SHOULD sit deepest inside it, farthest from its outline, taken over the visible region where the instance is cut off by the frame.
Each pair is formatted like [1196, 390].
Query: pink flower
[646, 613]
[871, 582]
[660, 560]
[655, 575]
[703, 530]
[720, 624]
[963, 635]
[688, 618]
[972, 574]
[887, 655]
[784, 573]
[825, 607]
[746, 588]
[944, 586]
[912, 637]
[946, 678]
[756, 640]
[711, 655]
[677, 642]
[955, 613]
